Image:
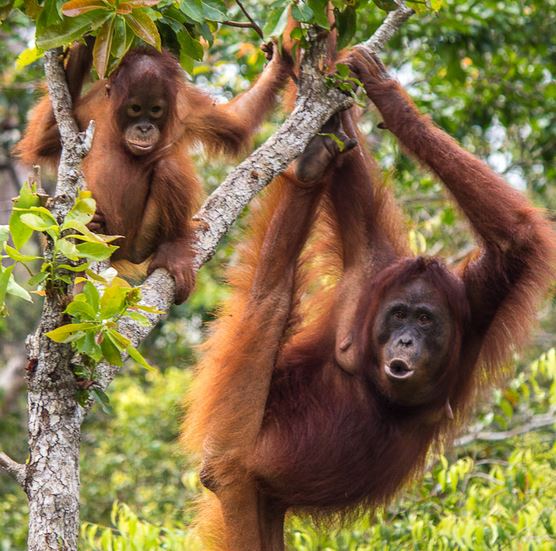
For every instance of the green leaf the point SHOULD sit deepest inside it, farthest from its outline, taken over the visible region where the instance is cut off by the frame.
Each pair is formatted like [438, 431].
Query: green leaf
[73, 8]
[143, 27]
[95, 251]
[19, 231]
[5, 274]
[87, 345]
[37, 222]
[119, 340]
[70, 29]
[37, 279]
[214, 10]
[113, 301]
[90, 292]
[346, 25]
[67, 248]
[137, 356]
[18, 257]
[320, 9]
[110, 351]
[189, 45]
[69, 267]
[302, 12]
[15, 289]
[83, 209]
[81, 310]
[276, 22]
[103, 47]
[4, 233]
[193, 9]
[102, 399]
[69, 332]
[28, 56]
[139, 318]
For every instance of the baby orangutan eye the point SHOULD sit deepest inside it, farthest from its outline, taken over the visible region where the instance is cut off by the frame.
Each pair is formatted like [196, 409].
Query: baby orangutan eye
[134, 110]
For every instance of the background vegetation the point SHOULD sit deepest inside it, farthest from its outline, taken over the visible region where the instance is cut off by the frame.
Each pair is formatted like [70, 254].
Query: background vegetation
[484, 70]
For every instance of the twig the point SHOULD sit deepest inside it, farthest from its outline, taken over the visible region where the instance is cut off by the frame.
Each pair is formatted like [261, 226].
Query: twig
[240, 24]
[256, 27]
[536, 422]
[17, 470]
[389, 27]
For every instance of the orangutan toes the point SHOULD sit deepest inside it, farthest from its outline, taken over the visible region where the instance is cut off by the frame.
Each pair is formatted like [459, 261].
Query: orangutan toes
[322, 151]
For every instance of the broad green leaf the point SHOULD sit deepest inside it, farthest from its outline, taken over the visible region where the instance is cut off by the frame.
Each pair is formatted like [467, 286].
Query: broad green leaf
[67, 333]
[28, 56]
[20, 232]
[37, 222]
[102, 399]
[320, 8]
[95, 251]
[69, 267]
[143, 27]
[67, 248]
[90, 292]
[302, 12]
[121, 42]
[35, 280]
[87, 345]
[73, 8]
[4, 233]
[139, 318]
[15, 289]
[190, 45]
[214, 10]
[5, 274]
[113, 301]
[19, 257]
[138, 357]
[346, 24]
[103, 47]
[118, 339]
[193, 9]
[276, 22]
[83, 209]
[70, 29]
[80, 309]
[143, 3]
[110, 351]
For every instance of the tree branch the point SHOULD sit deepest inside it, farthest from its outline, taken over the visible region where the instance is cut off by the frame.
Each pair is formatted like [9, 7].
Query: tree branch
[17, 470]
[534, 423]
[389, 27]
[253, 22]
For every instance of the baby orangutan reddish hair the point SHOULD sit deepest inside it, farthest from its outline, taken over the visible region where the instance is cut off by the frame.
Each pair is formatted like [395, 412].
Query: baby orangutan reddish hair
[139, 171]
[332, 404]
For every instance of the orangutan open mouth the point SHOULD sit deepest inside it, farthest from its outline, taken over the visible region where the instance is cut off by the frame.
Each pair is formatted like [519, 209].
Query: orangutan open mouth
[398, 369]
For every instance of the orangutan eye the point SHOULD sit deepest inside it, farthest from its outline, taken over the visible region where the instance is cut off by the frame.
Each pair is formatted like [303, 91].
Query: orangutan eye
[134, 110]
[399, 314]
[156, 111]
[424, 319]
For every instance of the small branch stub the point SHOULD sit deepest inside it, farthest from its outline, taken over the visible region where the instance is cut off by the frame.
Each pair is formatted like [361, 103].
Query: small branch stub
[17, 470]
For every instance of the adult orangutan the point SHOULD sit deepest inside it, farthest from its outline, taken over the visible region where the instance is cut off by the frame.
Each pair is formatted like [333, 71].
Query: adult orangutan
[139, 171]
[333, 404]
